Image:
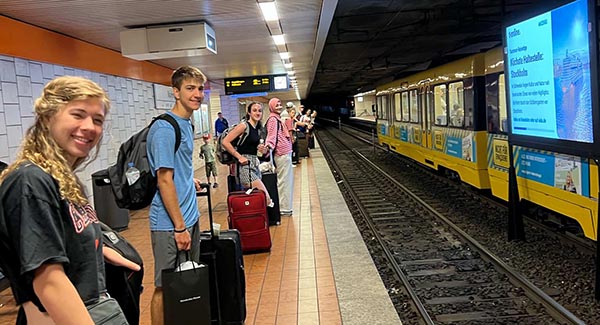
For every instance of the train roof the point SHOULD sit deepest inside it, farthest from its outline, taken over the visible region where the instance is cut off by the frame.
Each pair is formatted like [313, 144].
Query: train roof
[460, 69]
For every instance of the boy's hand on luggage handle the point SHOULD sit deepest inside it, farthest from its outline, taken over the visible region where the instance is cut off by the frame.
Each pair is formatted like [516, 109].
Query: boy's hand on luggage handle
[183, 240]
[197, 184]
[113, 257]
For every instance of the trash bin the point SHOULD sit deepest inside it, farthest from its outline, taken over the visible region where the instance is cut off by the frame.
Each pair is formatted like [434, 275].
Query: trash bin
[104, 202]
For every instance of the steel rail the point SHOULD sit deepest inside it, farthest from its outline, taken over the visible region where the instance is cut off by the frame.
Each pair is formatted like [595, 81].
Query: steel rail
[533, 292]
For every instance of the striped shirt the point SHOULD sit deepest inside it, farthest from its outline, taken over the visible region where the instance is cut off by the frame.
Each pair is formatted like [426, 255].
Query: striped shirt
[282, 138]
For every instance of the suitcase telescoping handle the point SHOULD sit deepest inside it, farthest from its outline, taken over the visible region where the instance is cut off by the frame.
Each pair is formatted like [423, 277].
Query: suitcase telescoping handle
[206, 193]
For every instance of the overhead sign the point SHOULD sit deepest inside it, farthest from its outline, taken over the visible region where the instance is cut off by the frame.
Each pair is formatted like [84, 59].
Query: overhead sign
[244, 85]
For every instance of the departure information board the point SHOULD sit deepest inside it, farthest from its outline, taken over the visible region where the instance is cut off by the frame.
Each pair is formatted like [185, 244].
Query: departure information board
[243, 85]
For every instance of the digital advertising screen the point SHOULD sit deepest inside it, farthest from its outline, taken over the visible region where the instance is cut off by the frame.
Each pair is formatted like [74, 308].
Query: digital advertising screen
[550, 66]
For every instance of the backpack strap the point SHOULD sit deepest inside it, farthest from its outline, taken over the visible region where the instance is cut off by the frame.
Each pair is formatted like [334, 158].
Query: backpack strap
[175, 126]
[244, 135]
[277, 134]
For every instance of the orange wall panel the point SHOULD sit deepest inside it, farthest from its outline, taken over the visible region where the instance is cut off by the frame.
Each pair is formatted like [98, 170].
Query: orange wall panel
[33, 43]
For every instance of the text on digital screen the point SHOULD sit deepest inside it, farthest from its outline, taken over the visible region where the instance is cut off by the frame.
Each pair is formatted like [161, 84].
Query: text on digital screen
[549, 74]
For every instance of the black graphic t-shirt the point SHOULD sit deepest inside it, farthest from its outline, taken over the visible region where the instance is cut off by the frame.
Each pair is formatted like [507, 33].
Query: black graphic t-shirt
[38, 227]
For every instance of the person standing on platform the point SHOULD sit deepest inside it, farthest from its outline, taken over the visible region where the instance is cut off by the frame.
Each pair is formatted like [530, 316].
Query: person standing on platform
[246, 153]
[279, 140]
[174, 211]
[207, 152]
[51, 246]
[221, 124]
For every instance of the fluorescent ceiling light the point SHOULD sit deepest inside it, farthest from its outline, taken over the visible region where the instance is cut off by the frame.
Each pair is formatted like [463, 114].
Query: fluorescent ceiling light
[269, 10]
[278, 39]
[288, 65]
[292, 77]
[284, 55]
[291, 73]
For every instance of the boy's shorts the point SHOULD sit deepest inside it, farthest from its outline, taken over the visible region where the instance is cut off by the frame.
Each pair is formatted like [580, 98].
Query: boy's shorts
[210, 167]
[164, 250]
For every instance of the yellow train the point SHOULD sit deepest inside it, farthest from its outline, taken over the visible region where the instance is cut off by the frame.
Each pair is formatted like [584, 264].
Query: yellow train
[453, 118]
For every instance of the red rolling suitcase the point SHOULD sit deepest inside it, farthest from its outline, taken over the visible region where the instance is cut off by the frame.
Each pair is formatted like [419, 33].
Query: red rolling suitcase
[248, 214]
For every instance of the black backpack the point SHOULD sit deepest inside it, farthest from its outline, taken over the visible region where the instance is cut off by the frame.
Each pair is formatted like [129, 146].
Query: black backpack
[123, 284]
[139, 194]
[223, 155]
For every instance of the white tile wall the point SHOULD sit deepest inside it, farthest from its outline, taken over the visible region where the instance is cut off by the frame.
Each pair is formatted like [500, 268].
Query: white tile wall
[22, 81]
[132, 108]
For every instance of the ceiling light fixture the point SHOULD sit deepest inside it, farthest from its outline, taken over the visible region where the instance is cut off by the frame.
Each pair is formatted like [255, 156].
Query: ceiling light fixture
[284, 55]
[288, 65]
[278, 39]
[269, 10]
[291, 73]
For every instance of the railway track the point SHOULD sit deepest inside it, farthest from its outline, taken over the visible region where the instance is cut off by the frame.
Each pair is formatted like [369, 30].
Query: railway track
[570, 238]
[449, 277]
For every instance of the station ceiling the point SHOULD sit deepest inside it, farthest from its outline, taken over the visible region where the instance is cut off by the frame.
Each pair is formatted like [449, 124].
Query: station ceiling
[337, 47]
[376, 41]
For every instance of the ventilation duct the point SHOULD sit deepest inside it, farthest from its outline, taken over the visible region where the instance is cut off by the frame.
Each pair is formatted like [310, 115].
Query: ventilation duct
[168, 41]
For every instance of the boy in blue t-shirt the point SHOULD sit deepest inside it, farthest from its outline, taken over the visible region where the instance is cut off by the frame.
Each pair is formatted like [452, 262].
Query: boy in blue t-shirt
[174, 211]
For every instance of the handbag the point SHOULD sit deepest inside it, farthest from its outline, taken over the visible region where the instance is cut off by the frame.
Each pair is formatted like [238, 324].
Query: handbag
[186, 297]
[106, 311]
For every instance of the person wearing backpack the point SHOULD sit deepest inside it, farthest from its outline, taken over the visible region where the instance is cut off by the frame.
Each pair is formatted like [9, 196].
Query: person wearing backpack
[280, 141]
[246, 153]
[174, 211]
[51, 246]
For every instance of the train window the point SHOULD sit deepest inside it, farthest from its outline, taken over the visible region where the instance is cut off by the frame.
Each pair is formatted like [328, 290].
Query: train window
[457, 102]
[414, 107]
[469, 97]
[397, 106]
[502, 104]
[383, 107]
[405, 113]
[439, 103]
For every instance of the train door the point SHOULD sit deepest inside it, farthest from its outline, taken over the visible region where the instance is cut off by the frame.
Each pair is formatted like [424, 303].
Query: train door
[415, 116]
[396, 106]
[382, 115]
[426, 115]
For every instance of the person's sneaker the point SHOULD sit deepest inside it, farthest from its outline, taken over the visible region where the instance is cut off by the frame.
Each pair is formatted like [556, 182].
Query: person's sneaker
[215, 185]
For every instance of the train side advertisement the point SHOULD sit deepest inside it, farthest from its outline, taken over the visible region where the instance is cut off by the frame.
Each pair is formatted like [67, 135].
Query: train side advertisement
[566, 172]
[548, 68]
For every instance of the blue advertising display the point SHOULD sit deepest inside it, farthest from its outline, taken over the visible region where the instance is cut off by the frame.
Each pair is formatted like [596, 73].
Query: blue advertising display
[404, 134]
[549, 75]
[565, 172]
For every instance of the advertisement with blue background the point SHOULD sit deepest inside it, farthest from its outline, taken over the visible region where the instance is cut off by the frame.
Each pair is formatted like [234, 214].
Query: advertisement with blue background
[404, 134]
[548, 68]
[566, 172]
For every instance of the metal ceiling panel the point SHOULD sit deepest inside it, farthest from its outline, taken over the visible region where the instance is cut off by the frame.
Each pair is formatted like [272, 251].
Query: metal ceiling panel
[245, 47]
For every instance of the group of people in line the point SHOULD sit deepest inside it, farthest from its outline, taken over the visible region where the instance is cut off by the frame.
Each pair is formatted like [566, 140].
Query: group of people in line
[51, 247]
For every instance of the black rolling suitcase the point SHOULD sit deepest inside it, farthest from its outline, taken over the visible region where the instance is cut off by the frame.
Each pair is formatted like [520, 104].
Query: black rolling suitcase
[223, 255]
[270, 181]
[302, 141]
[232, 185]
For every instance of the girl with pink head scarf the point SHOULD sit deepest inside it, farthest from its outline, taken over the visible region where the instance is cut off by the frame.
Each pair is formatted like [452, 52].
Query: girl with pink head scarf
[278, 139]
